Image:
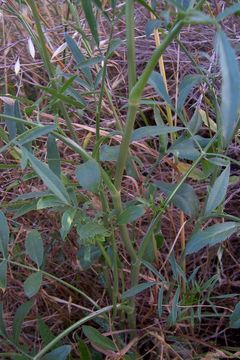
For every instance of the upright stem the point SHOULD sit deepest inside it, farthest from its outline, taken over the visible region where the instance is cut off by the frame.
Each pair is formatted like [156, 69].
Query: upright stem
[131, 52]
[134, 99]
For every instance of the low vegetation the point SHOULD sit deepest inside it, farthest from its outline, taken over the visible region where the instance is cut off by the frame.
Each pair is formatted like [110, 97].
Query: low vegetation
[119, 180]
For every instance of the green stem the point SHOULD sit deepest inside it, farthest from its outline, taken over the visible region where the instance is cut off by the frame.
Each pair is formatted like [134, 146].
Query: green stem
[50, 276]
[131, 52]
[134, 99]
[72, 328]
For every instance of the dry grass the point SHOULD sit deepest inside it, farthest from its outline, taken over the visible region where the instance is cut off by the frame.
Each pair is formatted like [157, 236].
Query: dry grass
[57, 305]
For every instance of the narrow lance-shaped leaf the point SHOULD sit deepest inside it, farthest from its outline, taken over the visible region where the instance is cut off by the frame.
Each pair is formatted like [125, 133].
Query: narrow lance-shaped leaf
[97, 338]
[67, 221]
[20, 315]
[34, 133]
[213, 235]
[138, 289]
[61, 353]
[218, 191]
[78, 57]
[130, 214]
[49, 178]
[91, 19]
[34, 247]
[235, 318]
[4, 234]
[3, 274]
[53, 156]
[230, 87]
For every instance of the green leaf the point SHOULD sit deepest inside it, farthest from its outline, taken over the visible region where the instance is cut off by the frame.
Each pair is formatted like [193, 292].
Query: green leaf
[218, 191]
[4, 234]
[9, 109]
[89, 175]
[61, 353]
[84, 351]
[32, 284]
[156, 81]
[35, 133]
[173, 315]
[228, 11]
[20, 315]
[49, 201]
[150, 131]
[97, 338]
[45, 332]
[90, 230]
[211, 236]
[151, 26]
[53, 156]
[230, 87]
[138, 289]
[185, 88]
[67, 221]
[235, 318]
[91, 19]
[2, 324]
[130, 214]
[185, 197]
[94, 255]
[49, 179]
[3, 274]
[109, 153]
[34, 247]
[78, 57]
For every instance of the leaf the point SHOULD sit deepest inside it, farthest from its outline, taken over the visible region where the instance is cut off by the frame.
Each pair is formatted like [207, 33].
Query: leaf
[160, 301]
[89, 175]
[3, 274]
[49, 179]
[138, 289]
[130, 214]
[90, 17]
[109, 153]
[151, 26]
[174, 312]
[230, 87]
[67, 221]
[2, 324]
[49, 201]
[4, 234]
[84, 351]
[186, 85]
[97, 338]
[211, 236]
[45, 332]
[9, 110]
[235, 318]
[34, 247]
[59, 50]
[61, 353]
[228, 11]
[20, 315]
[150, 131]
[90, 230]
[78, 57]
[185, 197]
[35, 133]
[218, 191]
[156, 81]
[94, 255]
[32, 284]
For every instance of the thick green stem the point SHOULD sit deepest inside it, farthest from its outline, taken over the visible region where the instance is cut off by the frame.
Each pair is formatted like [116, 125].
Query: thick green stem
[134, 99]
[131, 52]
